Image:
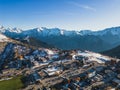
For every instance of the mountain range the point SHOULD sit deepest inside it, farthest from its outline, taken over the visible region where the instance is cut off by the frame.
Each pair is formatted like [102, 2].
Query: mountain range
[96, 41]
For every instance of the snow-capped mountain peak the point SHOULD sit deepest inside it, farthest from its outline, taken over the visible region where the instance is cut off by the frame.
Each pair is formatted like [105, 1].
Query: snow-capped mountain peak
[16, 30]
[57, 32]
[10, 30]
[112, 31]
[2, 27]
[43, 31]
[85, 32]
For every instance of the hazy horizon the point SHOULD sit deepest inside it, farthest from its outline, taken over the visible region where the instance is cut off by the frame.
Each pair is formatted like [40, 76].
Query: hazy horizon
[57, 27]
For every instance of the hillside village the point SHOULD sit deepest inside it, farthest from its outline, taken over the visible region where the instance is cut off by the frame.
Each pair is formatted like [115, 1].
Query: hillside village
[59, 44]
[54, 69]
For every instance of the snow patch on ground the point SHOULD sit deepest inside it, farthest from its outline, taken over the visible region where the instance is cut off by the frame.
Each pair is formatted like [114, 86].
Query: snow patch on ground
[94, 56]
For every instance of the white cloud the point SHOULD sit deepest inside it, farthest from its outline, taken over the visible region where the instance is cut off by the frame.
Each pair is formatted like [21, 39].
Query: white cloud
[87, 7]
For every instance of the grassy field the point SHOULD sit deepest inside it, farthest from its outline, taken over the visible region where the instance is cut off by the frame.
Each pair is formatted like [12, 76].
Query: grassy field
[12, 84]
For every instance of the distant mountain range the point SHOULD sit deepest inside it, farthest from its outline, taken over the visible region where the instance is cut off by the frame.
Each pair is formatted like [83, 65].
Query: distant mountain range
[65, 39]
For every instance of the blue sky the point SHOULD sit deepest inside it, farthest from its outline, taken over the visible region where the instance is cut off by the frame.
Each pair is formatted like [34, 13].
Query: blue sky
[65, 14]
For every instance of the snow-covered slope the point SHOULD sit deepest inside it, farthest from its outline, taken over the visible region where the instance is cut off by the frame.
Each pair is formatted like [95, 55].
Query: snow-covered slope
[112, 31]
[3, 38]
[94, 56]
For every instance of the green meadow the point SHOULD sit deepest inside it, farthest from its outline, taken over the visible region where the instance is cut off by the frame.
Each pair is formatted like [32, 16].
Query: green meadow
[12, 84]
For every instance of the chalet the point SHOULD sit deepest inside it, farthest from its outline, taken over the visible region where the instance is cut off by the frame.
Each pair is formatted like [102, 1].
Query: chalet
[36, 77]
[116, 81]
[52, 71]
[91, 73]
[42, 74]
